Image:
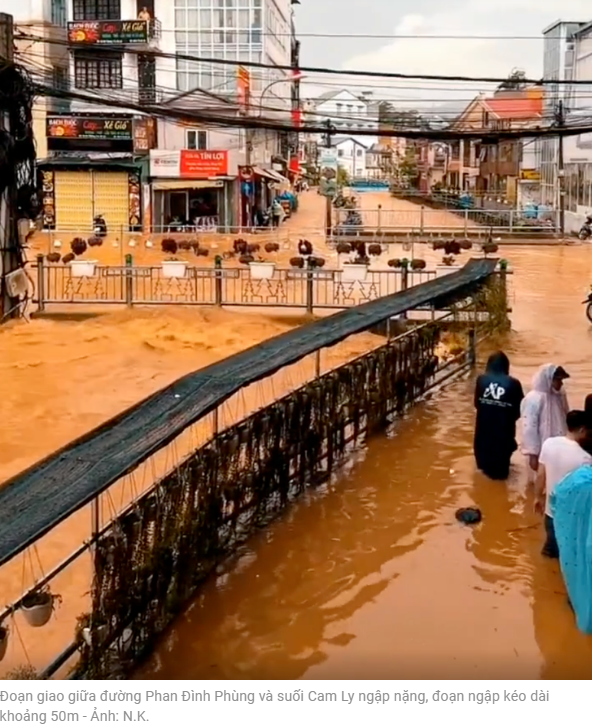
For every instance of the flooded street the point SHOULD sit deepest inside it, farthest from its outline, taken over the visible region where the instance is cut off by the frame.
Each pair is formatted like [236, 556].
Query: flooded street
[372, 577]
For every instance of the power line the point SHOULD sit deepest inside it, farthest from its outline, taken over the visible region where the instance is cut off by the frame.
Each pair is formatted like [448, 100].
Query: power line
[313, 69]
[217, 119]
[350, 36]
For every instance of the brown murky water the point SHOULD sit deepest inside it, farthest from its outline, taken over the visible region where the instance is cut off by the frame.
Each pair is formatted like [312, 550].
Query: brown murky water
[371, 577]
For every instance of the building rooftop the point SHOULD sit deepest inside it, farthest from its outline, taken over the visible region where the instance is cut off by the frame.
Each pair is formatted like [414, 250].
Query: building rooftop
[510, 108]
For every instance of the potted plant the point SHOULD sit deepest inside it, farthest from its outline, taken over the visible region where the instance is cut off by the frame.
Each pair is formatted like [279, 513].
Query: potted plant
[95, 241]
[304, 247]
[53, 257]
[271, 247]
[489, 248]
[260, 269]
[297, 262]
[451, 250]
[78, 246]
[316, 262]
[38, 606]
[85, 632]
[3, 641]
[374, 250]
[395, 263]
[246, 259]
[418, 264]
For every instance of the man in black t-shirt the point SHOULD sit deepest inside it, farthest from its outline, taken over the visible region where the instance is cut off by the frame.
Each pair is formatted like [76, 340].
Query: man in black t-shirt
[497, 400]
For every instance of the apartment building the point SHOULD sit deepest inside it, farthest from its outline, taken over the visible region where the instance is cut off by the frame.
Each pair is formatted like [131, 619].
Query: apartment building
[140, 174]
[559, 56]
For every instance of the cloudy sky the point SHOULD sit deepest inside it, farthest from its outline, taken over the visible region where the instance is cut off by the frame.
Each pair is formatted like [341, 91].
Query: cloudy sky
[479, 57]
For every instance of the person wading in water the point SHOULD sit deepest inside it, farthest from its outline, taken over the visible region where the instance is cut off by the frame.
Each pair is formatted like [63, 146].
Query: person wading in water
[544, 411]
[497, 399]
[559, 456]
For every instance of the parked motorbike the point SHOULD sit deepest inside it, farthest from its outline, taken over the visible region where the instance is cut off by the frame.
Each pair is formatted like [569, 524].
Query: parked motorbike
[586, 230]
[588, 303]
[100, 226]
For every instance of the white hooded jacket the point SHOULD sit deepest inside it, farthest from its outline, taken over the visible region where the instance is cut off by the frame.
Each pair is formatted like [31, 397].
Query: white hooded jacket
[543, 411]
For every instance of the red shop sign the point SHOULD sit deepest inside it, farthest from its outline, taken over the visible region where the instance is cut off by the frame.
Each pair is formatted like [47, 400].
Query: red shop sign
[203, 164]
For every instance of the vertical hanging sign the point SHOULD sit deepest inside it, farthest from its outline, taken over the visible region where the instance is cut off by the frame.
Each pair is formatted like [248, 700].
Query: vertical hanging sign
[243, 86]
[48, 196]
[135, 203]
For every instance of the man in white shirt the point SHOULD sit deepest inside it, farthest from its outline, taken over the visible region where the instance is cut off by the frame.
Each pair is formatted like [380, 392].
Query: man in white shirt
[559, 456]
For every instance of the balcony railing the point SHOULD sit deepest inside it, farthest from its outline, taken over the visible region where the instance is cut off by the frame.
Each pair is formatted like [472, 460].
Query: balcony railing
[87, 33]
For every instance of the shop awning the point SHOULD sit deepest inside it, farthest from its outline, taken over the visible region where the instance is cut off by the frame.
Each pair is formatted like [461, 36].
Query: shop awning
[279, 178]
[264, 172]
[182, 184]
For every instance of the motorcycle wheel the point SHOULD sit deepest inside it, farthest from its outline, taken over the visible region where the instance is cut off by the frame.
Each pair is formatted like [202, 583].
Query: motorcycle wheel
[589, 311]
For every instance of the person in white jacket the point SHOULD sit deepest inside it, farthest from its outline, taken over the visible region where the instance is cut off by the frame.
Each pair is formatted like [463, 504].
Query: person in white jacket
[544, 411]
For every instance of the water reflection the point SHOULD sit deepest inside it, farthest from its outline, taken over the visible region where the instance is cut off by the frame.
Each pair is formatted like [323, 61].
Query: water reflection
[373, 577]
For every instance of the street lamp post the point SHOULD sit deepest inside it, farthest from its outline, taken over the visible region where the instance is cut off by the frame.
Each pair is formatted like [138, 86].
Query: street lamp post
[250, 131]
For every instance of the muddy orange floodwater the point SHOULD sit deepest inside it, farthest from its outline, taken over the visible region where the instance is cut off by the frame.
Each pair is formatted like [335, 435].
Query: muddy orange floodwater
[368, 577]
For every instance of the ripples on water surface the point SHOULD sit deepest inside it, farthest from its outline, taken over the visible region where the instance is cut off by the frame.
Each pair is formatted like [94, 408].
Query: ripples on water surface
[374, 578]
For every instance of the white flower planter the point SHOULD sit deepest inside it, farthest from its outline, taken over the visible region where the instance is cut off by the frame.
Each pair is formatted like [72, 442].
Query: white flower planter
[83, 267]
[262, 270]
[3, 645]
[174, 270]
[354, 272]
[100, 634]
[39, 614]
[443, 269]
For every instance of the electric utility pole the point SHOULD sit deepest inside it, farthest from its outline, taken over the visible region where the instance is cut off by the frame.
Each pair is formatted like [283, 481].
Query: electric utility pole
[560, 122]
[328, 195]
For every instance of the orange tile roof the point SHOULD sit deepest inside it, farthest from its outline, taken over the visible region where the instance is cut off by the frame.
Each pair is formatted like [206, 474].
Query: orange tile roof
[510, 108]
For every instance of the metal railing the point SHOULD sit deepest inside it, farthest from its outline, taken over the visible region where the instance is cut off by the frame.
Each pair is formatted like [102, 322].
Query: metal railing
[67, 567]
[424, 220]
[130, 285]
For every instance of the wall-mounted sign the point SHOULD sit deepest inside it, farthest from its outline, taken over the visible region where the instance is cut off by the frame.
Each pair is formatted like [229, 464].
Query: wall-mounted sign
[243, 88]
[135, 202]
[89, 128]
[144, 135]
[530, 175]
[188, 164]
[329, 165]
[108, 32]
[203, 164]
[246, 173]
[48, 199]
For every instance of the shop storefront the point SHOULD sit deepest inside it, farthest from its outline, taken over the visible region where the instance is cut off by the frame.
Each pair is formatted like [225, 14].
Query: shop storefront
[258, 187]
[191, 191]
[95, 170]
[75, 193]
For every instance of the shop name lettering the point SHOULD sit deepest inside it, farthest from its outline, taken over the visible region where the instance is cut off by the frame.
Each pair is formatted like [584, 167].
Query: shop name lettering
[209, 156]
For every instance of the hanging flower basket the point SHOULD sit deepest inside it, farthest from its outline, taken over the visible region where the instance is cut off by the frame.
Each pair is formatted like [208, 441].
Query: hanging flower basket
[83, 267]
[354, 272]
[3, 642]
[174, 269]
[262, 270]
[38, 606]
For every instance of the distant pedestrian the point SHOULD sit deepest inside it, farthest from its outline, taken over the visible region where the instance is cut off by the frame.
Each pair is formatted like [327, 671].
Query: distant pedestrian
[544, 411]
[277, 212]
[497, 400]
[559, 456]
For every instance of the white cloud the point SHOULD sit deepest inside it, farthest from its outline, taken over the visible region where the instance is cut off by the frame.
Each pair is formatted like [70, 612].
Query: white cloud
[478, 57]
